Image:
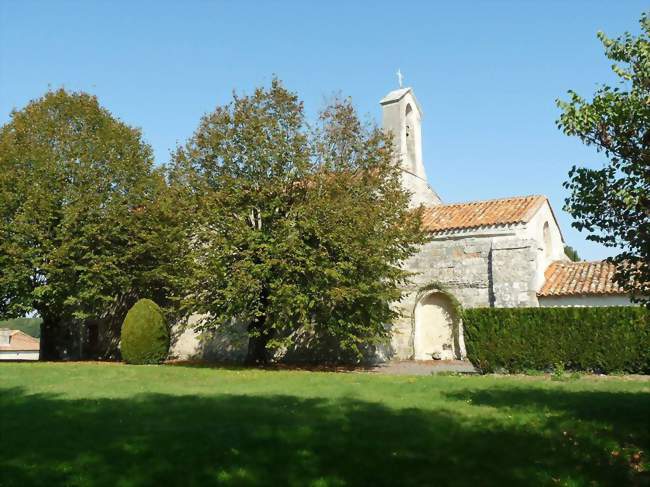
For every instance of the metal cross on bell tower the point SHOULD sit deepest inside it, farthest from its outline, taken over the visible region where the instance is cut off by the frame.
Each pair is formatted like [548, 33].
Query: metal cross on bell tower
[400, 77]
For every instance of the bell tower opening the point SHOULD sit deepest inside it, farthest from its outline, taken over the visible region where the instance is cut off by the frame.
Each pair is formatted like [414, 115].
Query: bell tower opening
[411, 158]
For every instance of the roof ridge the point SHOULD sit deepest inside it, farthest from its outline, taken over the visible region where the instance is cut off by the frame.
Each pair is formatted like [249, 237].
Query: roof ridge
[506, 198]
[21, 332]
[514, 210]
[572, 262]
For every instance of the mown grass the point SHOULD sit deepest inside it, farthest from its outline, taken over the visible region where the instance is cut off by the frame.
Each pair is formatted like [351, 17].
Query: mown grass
[115, 425]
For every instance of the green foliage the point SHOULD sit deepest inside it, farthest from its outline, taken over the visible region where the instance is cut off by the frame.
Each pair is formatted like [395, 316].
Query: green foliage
[31, 326]
[559, 371]
[613, 203]
[533, 372]
[87, 225]
[571, 253]
[605, 340]
[297, 228]
[145, 335]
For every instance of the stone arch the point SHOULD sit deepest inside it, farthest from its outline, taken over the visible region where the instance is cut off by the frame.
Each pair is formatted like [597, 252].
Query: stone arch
[437, 325]
[409, 118]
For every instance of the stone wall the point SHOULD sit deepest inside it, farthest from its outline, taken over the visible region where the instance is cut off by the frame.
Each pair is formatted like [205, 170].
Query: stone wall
[479, 271]
[461, 266]
[225, 345]
[421, 192]
[514, 265]
[230, 345]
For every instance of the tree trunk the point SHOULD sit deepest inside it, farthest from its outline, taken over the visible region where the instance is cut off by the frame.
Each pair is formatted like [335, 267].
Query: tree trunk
[60, 339]
[258, 337]
[50, 339]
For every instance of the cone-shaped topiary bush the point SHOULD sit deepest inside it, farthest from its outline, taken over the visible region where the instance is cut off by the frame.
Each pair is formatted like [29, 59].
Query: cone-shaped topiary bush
[145, 336]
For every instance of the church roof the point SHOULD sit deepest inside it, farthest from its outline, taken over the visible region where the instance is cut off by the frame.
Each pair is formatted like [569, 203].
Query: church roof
[477, 214]
[397, 95]
[580, 278]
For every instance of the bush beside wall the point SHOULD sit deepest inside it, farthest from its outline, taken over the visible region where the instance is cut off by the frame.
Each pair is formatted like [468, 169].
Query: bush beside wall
[599, 339]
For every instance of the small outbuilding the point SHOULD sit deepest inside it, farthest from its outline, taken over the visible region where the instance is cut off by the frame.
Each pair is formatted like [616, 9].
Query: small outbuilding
[17, 345]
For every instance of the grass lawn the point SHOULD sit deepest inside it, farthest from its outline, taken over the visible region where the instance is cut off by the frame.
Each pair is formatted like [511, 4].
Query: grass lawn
[115, 425]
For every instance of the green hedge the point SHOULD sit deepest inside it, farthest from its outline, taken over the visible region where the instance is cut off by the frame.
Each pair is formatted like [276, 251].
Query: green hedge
[599, 339]
[145, 335]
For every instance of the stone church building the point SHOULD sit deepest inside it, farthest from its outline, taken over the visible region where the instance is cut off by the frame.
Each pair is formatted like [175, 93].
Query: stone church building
[505, 252]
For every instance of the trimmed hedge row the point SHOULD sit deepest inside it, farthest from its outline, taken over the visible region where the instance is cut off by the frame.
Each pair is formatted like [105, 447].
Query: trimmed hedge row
[599, 339]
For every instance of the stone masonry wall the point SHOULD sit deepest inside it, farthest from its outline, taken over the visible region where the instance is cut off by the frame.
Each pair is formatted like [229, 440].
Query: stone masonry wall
[462, 266]
[514, 265]
[478, 271]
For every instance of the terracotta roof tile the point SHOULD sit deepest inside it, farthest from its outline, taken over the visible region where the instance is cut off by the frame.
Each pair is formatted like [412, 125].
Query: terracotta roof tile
[21, 342]
[580, 278]
[476, 214]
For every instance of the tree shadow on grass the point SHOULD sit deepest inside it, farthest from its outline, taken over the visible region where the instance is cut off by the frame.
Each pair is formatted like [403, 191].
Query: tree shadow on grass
[625, 414]
[158, 439]
[616, 423]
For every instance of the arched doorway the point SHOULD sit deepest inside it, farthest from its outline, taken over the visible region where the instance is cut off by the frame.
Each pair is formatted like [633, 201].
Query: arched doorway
[433, 336]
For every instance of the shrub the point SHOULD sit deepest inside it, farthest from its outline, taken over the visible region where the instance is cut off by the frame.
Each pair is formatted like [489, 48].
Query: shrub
[145, 336]
[599, 339]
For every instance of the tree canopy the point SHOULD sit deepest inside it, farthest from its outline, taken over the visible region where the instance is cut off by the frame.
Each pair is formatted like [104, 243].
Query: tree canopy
[571, 253]
[85, 219]
[613, 203]
[300, 231]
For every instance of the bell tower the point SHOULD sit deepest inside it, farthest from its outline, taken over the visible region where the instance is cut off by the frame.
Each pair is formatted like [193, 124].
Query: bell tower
[402, 117]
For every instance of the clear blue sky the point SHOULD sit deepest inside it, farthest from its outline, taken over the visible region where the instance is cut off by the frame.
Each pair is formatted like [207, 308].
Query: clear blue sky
[485, 72]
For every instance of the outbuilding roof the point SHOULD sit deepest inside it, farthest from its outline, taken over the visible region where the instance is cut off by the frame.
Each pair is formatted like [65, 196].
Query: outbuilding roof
[477, 214]
[21, 342]
[580, 278]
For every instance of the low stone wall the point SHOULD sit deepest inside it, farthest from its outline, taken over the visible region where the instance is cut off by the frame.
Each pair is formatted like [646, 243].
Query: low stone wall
[231, 345]
[218, 346]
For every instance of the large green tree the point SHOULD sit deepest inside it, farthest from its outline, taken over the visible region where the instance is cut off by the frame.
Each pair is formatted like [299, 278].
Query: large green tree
[612, 203]
[300, 232]
[87, 225]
